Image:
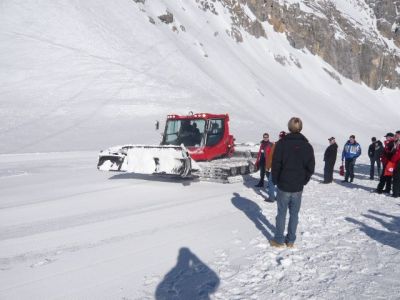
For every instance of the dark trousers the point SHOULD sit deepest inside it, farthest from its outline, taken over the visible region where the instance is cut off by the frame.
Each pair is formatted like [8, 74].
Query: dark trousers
[396, 181]
[372, 168]
[262, 170]
[349, 166]
[385, 182]
[328, 171]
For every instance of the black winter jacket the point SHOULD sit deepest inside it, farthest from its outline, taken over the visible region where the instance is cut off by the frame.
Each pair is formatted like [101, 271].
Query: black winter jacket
[375, 150]
[293, 163]
[331, 154]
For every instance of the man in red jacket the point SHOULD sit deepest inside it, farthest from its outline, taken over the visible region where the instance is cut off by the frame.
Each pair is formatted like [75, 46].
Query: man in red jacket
[385, 182]
[263, 153]
[396, 161]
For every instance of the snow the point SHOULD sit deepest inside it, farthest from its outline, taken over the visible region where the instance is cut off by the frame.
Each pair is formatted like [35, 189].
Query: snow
[81, 76]
[306, 6]
[104, 235]
[249, 13]
[357, 12]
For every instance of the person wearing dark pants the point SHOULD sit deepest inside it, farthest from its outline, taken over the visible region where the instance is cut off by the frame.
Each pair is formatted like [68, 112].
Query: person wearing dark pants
[374, 153]
[293, 164]
[351, 151]
[385, 182]
[349, 167]
[330, 159]
[396, 161]
[396, 181]
[262, 156]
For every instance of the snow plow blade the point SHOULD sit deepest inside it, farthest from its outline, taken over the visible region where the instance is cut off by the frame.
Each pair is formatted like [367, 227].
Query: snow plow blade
[145, 159]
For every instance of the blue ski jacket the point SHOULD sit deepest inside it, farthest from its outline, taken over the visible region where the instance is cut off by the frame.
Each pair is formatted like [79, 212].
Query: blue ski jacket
[351, 151]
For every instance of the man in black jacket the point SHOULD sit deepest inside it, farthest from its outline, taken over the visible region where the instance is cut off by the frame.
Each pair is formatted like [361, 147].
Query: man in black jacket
[375, 151]
[330, 159]
[293, 164]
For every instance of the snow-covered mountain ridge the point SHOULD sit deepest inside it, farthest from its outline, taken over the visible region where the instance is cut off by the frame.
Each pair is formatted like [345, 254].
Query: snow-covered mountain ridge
[90, 74]
[360, 39]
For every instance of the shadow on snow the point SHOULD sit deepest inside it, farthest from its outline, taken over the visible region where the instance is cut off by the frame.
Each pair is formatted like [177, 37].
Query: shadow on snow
[390, 236]
[190, 278]
[253, 212]
[351, 185]
[156, 178]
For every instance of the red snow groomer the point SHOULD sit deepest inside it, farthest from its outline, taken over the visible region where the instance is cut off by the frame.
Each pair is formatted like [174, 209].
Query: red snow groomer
[196, 144]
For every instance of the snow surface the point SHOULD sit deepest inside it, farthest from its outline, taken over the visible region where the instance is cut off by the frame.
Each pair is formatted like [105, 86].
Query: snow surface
[71, 232]
[81, 76]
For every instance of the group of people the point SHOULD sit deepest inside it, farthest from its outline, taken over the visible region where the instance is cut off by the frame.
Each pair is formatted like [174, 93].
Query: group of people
[390, 158]
[385, 156]
[351, 151]
[289, 164]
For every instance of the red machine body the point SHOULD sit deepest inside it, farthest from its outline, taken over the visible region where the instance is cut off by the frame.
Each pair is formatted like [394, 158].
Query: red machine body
[205, 135]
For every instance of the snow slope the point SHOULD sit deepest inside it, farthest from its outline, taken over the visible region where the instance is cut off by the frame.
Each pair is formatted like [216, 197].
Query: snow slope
[80, 76]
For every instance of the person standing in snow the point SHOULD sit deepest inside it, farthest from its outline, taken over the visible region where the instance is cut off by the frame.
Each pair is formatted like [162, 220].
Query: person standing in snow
[262, 156]
[271, 185]
[330, 159]
[293, 164]
[374, 153]
[351, 151]
[396, 165]
[385, 181]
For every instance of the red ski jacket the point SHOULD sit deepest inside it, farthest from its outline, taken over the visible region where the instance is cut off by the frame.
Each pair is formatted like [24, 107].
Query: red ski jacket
[396, 156]
[387, 151]
[265, 147]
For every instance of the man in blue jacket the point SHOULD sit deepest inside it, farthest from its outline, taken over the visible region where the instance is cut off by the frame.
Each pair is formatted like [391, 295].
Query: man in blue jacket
[351, 151]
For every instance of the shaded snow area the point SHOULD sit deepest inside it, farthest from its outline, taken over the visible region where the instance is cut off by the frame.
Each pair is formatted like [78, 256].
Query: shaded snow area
[81, 76]
[71, 232]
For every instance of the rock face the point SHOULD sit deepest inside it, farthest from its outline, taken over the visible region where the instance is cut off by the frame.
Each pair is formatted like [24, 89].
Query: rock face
[359, 38]
[167, 18]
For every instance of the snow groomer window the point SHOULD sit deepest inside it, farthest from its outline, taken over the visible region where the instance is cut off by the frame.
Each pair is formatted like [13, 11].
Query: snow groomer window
[215, 132]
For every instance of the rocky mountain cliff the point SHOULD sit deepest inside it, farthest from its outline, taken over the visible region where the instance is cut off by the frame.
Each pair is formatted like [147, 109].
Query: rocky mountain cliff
[359, 38]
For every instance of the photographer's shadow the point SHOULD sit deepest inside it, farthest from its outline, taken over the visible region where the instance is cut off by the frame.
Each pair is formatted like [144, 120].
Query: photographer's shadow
[189, 279]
